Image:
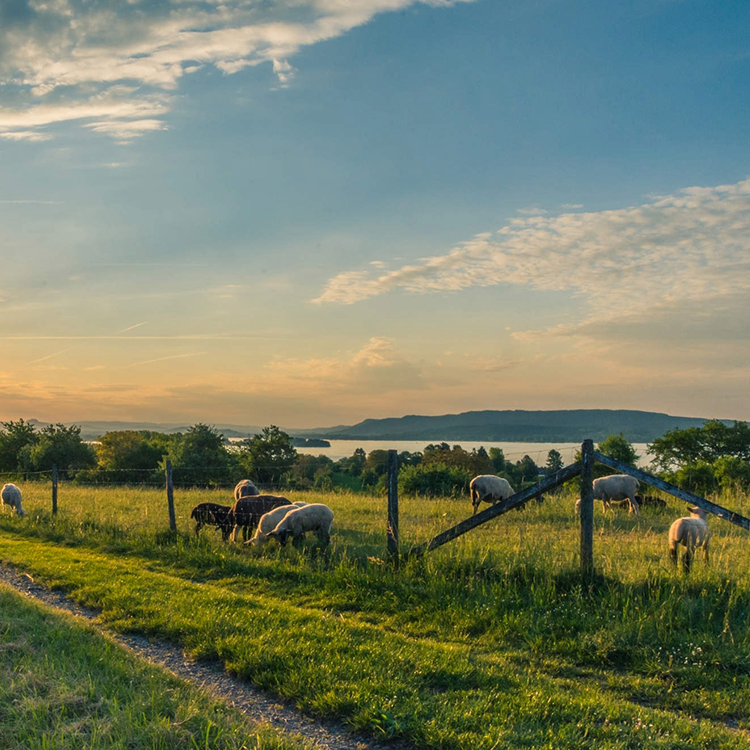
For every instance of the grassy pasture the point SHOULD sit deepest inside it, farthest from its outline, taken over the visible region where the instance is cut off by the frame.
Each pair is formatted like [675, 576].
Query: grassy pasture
[490, 642]
[65, 686]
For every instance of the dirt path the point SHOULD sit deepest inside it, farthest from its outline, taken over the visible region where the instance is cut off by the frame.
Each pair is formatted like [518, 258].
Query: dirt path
[255, 705]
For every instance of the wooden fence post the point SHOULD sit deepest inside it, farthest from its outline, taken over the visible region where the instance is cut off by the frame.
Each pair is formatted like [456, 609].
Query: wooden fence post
[170, 496]
[587, 508]
[54, 489]
[392, 535]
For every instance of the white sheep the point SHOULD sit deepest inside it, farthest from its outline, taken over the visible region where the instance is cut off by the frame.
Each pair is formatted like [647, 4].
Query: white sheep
[691, 531]
[614, 488]
[11, 496]
[245, 488]
[314, 517]
[489, 489]
[269, 521]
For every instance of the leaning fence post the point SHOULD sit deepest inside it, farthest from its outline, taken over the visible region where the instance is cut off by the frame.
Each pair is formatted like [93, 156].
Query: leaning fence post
[587, 507]
[54, 489]
[170, 496]
[392, 534]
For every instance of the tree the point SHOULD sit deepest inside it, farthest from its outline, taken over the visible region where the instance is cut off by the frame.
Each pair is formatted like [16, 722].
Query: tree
[306, 468]
[497, 457]
[434, 480]
[554, 462]
[61, 446]
[704, 444]
[128, 450]
[268, 456]
[618, 447]
[199, 457]
[14, 437]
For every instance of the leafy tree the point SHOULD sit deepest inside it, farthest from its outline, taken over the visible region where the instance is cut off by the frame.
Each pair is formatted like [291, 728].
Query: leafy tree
[354, 464]
[14, 438]
[554, 462]
[476, 462]
[497, 457]
[377, 462]
[527, 470]
[199, 457]
[434, 480]
[706, 444]
[58, 445]
[697, 477]
[128, 450]
[269, 456]
[306, 468]
[618, 447]
[732, 473]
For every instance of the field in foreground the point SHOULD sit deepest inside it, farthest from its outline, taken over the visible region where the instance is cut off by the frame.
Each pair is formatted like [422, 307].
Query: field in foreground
[65, 686]
[491, 642]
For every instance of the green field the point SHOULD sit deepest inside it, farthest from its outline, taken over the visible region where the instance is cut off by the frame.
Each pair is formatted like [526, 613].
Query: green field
[490, 642]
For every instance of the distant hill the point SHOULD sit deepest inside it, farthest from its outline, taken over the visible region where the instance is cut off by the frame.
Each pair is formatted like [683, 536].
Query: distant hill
[517, 426]
[566, 426]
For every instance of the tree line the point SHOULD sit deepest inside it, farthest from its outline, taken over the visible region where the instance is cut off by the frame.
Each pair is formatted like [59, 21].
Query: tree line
[699, 459]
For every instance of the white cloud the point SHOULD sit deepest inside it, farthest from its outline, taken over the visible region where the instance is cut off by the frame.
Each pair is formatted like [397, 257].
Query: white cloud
[26, 135]
[68, 60]
[634, 266]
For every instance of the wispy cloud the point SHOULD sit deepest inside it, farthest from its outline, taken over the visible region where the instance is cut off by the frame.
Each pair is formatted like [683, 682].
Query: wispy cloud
[164, 359]
[632, 266]
[54, 354]
[130, 328]
[117, 65]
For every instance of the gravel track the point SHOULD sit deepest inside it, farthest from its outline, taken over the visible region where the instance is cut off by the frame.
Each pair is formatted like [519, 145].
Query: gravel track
[255, 705]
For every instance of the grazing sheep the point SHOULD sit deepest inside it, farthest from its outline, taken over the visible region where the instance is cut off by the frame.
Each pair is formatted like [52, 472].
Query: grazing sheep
[247, 511]
[614, 488]
[11, 496]
[650, 500]
[691, 531]
[269, 521]
[314, 517]
[489, 489]
[245, 488]
[211, 514]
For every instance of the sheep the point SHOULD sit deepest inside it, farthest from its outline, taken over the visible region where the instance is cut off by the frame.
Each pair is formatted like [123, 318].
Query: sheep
[490, 489]
[691, 531]
[652, 500]
[11, 496]
[247, 511]
[614, 488]
[269, 521]
[212, 514]
[245, 488]
[314, 517]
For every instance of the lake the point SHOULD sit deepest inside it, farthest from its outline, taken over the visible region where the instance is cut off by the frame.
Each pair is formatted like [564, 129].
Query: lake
[513, 451]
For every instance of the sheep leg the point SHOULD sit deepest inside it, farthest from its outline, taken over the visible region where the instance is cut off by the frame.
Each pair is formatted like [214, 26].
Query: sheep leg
[673, 554]
[687, 559]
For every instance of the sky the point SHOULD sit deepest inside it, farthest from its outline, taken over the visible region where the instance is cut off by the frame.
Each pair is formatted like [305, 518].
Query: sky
[313, 212]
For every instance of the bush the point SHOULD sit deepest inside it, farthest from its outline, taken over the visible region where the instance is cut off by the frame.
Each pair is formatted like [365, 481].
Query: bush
[434, 480]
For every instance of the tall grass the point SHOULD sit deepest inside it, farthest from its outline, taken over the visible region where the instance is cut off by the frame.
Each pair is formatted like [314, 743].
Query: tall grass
[499, 614]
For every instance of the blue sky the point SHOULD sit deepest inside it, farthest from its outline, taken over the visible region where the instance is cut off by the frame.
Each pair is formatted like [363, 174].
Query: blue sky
[317, 211]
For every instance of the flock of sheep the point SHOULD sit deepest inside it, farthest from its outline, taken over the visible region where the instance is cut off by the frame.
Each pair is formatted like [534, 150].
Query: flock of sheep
[691, 532]
[271, 516]
[275, 517]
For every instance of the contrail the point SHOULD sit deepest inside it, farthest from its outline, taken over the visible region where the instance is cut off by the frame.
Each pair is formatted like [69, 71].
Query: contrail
[49, 356]
[137, 325]
[162, 359]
